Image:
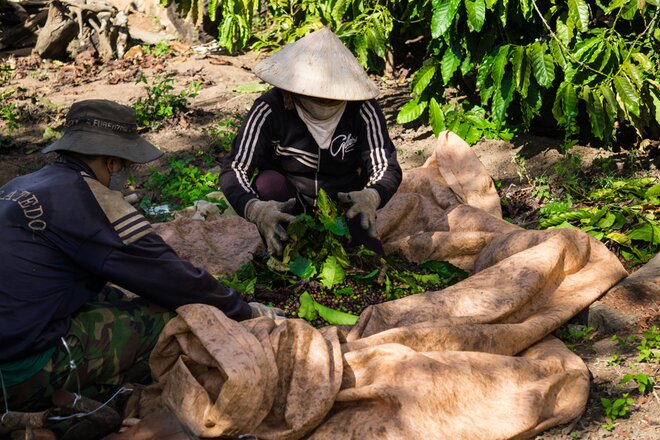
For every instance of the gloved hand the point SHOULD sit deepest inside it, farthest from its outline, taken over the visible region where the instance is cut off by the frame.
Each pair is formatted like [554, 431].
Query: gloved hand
[268, 215]
[365, 203]
[259, 309]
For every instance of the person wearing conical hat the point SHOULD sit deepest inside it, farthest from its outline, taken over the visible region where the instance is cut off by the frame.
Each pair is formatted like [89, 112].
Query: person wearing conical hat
[66, 232]
[320, 127]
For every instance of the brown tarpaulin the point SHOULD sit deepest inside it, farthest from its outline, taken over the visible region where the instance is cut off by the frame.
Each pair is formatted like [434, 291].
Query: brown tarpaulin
[472, 361]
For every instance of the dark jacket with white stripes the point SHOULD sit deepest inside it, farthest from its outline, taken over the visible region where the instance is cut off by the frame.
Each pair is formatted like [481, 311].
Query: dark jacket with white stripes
[63, 236]
[361, 154]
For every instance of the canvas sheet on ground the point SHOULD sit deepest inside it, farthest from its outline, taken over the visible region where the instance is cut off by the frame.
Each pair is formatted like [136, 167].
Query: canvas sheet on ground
[473, 361]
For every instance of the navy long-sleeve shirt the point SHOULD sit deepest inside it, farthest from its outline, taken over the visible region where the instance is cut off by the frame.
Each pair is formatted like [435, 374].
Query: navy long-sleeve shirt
[63, 236]
[361, 153]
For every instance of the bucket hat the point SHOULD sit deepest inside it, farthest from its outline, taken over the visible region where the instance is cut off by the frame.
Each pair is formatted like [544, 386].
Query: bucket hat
[102, 127]
[320, 66]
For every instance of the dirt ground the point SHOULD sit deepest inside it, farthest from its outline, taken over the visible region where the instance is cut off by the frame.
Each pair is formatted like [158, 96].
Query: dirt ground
[43, 90]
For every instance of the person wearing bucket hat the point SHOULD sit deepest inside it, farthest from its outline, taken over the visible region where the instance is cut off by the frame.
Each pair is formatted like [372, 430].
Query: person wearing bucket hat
[66, 233]
[319, 127]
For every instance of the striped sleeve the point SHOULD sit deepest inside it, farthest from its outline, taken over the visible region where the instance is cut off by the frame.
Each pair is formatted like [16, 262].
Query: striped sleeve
[378, 152]
[241, 162]
[127, 222]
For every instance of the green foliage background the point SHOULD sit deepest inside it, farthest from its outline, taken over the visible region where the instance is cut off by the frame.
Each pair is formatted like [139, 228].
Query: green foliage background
[488, 66]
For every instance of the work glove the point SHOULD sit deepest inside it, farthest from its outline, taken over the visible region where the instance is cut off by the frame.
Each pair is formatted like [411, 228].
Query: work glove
[364, 203]
[268, 215]
[259, 309]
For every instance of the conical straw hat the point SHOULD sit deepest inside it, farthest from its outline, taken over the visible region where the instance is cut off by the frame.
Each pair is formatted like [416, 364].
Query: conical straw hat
[318, 65]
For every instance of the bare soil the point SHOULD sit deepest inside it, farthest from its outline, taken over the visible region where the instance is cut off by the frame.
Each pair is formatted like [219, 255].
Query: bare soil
[43, 90]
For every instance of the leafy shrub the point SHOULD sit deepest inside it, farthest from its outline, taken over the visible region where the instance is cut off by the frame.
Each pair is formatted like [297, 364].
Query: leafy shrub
[617, 409]
[644, 382]
[161, 103]
[585, 57]
[224, 131]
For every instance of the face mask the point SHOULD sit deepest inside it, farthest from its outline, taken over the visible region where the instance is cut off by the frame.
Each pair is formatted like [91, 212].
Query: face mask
[321, 110]
[119, 179]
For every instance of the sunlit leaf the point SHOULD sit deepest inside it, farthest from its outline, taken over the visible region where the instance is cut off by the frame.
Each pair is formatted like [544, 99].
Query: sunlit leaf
[646, 232]
[627, 93]
[422, 78]
[410, 111]
[436, 117]
[331, 272]
[449, 64]
[310, 309]
[444, 12]
[476, 14]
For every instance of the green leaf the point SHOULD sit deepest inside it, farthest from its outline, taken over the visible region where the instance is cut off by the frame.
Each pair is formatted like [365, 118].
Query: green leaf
[595, 111]
[444, 12]
[327, 210]
[449, 64]
[619, 238]
[251, 87]
[654, 105]
[331, 272]
[634, 74]
[565, 107]
[444, 269]
[607, 221]
[376, 41]
[648, 233]
[542, 64]
[302, 267]
[436, 117]
[653, 191]
[307, 309]
[611, 106]
[501, 99]
[627, 94]
[310, 309]
[526, 8]
[499, 63]
[476, 13]
[367, 278]
[212, 8]
[433, 278]
[412, 110]
[643, 61]
[345, 291]
[578, 10]
[422, 78]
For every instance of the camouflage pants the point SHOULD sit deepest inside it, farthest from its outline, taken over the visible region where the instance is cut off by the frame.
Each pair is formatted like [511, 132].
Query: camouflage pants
[109, 340]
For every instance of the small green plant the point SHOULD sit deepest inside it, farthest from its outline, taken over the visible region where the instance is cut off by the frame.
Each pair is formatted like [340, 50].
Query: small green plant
[6, 71]
[615, 359]
[573, 335]
[161, 102]
[644, 382]
[541, 188]
[224, 131]
[182, 183]
[617, 409]
[649, 345]
[608, 426]
[9, 114]
[161, 48]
